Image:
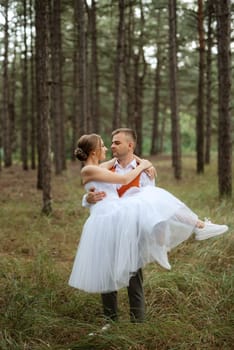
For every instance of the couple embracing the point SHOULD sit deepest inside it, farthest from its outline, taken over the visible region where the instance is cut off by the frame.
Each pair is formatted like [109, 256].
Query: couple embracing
[132, 222]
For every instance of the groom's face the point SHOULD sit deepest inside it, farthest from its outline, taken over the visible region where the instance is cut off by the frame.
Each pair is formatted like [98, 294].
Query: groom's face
[121, 146]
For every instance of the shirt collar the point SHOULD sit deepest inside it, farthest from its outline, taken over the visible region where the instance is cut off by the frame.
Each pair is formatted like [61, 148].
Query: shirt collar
[132, 164]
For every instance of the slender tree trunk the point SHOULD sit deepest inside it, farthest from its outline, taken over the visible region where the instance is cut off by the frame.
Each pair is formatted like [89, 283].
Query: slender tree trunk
[95, 71]
[82, 67]
[0, 146]
[175, 122]
[200, 100]
[88, 54]
[140, 67]
[139, 95]
[128, 64]
[116, 121]
[24, 109]
[12, 92]
[75, 90]
[61, 84]
[223, 14]
[33, 133]
[137, 105]
[209, 83]
[162, 130]
[7, 147]
[57, 109]
[42, 62]
[157, 87]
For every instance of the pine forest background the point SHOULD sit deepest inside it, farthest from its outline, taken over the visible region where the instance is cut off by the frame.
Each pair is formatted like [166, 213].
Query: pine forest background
[162, 68]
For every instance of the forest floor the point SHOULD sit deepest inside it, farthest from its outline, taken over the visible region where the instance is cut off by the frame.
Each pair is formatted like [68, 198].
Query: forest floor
[189, 307]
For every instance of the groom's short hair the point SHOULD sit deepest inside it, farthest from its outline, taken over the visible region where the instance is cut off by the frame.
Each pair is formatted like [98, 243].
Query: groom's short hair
[128, 132]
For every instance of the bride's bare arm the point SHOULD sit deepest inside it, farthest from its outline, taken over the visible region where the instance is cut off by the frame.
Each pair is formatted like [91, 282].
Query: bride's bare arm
[96, 173]
[151, 171]
[108, 164]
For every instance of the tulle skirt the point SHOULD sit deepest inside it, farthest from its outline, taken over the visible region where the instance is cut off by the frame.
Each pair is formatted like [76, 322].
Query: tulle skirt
[122, 235]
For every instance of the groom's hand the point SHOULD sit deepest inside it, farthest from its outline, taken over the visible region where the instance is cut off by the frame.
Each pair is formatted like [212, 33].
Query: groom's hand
[94, 196]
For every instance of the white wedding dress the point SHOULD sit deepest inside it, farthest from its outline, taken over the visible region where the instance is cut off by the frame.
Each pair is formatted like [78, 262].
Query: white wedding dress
[123, 234]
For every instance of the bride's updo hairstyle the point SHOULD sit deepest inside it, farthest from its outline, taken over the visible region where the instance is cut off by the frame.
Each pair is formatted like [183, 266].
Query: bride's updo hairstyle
[87, 144]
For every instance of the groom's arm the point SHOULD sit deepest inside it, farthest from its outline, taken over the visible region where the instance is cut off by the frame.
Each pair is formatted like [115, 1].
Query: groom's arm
[92, 197]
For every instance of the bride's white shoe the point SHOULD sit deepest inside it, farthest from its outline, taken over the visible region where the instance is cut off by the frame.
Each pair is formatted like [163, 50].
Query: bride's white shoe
[209, 230]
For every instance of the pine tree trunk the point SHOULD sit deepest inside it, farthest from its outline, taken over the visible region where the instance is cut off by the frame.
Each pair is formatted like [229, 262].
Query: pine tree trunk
[140, 67]
[223, 14]
[33, 133]
[12, 92]
[57, 110]
[175, 122]
[128, 65]
[7, 147]
[24, 108]
[82, 67]
[162, 129]
[200, 100]
[75, 90]
[209, 83]
[94, 71]
[157, 87]
[137, 105]
[116, 121]
[42, 62]
[90, 69]
[138, 98]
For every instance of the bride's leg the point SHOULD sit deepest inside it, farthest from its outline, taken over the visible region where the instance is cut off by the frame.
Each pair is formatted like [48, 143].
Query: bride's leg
[202, 229]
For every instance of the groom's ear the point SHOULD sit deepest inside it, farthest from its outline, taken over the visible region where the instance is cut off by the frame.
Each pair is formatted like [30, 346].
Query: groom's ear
[133, 145]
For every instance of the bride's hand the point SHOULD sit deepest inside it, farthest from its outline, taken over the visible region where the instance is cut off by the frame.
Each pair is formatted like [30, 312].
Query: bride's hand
[145, 164]
[151, 171]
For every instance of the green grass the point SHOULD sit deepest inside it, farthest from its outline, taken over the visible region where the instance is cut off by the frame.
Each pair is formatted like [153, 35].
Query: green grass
[190, 307]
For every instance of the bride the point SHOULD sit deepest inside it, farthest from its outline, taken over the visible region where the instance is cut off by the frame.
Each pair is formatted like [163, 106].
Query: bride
[123, 234]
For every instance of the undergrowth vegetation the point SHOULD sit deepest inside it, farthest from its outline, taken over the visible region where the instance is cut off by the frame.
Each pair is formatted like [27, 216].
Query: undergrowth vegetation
[189, 307]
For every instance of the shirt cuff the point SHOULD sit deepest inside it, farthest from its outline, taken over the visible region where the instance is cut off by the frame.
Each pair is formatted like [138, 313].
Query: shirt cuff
[85, 204]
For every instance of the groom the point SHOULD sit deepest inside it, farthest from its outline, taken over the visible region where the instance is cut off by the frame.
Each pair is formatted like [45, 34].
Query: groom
[123, 146]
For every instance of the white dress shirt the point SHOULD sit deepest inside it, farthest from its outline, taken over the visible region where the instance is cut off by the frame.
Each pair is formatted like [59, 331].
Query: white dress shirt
[144, 178]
